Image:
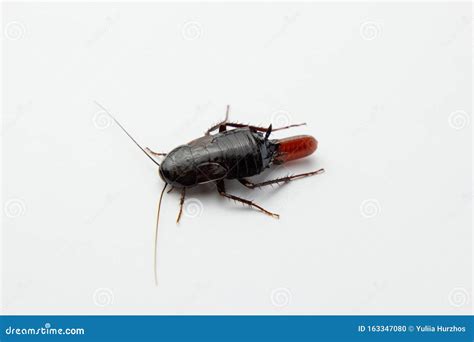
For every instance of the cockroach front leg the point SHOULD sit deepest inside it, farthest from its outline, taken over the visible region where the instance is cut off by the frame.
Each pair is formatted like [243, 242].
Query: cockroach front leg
[181, 203]
[222, 192]
[251, 185]
[159, 154]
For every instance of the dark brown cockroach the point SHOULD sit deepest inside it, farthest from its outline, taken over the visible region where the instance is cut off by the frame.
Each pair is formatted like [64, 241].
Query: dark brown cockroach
[239, 153]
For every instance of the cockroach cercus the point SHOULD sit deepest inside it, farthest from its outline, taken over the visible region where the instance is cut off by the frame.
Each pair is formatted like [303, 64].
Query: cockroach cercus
[239, 153]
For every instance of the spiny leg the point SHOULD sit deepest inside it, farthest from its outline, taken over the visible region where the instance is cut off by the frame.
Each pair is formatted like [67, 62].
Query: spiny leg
[251, 185]
[181, 203]
[222, 192]
[155, 153]
[262, 129]
[221, 125]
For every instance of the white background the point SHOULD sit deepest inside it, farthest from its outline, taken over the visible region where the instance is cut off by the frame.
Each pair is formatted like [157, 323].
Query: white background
[385, 88]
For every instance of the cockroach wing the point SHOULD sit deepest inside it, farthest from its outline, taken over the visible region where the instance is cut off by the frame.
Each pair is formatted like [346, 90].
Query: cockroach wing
[210, 172]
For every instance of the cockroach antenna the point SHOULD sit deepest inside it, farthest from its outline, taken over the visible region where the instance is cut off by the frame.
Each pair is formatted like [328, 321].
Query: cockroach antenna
[162, 192]
[123, 129]
[156, 234]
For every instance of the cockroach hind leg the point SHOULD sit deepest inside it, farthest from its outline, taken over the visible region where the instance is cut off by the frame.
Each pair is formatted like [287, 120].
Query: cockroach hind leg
[289, 126]
[287, 179]
[260, 128]
[221, 126]
[222, 192]
[227, 110]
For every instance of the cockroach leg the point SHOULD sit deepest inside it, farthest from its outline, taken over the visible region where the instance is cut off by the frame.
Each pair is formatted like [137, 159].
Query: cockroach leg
[159, 154]
[222, 128]
[221, 125]
[222, 192]
[181, 203]
[251, 185]
[262, 129]
[171, 189]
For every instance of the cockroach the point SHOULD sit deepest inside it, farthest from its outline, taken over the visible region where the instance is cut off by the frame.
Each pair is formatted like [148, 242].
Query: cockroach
[239, 153]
